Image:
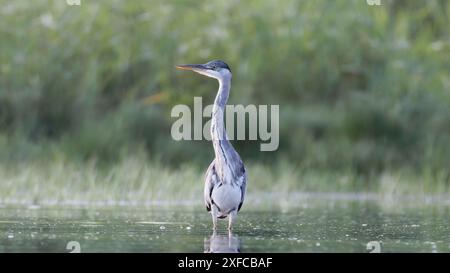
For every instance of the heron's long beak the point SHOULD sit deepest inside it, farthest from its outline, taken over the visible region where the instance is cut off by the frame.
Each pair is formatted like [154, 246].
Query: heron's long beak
[193, 67]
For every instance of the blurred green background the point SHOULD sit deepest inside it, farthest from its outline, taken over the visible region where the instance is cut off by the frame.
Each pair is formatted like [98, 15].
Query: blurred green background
[86, 93]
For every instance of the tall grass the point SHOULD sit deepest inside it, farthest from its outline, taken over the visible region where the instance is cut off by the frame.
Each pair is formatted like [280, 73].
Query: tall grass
[137, 181]
[363, 92]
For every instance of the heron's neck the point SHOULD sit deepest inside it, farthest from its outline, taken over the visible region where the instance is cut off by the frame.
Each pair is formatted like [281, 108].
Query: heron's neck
[217, 121]
[225, 155]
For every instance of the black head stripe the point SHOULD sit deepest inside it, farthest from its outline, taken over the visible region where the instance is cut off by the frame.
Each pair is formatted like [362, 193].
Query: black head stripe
[216, 64]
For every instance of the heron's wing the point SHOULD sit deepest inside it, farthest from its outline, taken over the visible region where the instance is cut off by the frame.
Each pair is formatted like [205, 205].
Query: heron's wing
[211, 180]
[243, 184]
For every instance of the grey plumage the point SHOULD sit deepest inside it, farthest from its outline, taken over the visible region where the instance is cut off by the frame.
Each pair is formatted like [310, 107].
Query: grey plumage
[226, 177]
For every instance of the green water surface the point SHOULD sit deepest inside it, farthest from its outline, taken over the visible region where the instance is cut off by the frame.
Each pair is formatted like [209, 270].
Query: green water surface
[323, 226]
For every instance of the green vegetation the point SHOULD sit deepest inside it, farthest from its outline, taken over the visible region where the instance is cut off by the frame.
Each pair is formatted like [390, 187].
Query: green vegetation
[86, 94]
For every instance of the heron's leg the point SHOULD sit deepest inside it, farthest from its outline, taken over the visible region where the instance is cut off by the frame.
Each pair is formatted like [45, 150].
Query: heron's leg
[214, 211]
[232, 215]
[230, 238]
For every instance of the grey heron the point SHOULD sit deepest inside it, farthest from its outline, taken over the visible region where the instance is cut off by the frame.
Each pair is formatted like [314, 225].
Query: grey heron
[226, 177]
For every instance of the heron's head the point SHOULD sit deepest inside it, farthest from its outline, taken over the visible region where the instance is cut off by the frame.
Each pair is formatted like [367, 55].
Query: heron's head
[214, 69]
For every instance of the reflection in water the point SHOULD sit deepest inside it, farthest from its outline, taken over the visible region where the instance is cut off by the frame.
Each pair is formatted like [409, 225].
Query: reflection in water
[221, 243]
[322, 226]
